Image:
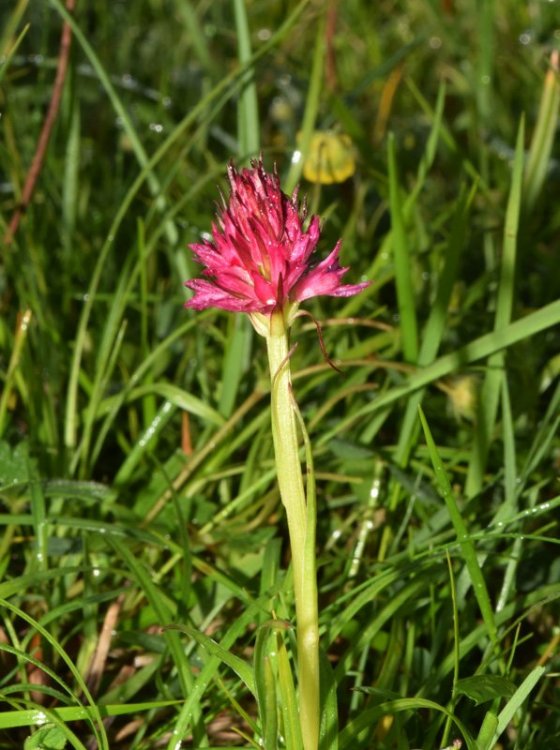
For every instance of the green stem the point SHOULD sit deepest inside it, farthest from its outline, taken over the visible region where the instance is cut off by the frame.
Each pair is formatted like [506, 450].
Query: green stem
[290, 482]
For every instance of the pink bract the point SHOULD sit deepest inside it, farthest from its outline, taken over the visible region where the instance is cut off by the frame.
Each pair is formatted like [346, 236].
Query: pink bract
[258, 260]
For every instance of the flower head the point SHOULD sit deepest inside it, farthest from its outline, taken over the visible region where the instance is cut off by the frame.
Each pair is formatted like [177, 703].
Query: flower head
[258, 260]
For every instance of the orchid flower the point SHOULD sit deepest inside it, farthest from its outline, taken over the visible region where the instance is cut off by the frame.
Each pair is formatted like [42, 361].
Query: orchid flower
[260, 258]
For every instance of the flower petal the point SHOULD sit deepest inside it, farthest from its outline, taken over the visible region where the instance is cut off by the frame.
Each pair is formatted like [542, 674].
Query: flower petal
[326, 279]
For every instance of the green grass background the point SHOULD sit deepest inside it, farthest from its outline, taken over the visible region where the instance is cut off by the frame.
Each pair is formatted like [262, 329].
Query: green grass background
[137, 485]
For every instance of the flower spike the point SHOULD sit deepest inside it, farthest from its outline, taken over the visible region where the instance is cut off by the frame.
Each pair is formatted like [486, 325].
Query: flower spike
[258, 260]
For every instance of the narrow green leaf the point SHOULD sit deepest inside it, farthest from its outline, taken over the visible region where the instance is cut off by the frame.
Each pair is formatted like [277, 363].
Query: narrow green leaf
[241, 668]
[403, 262]
[510, 505]
[265, 681]
[434, 329]
[429, 152]
[456, 645]
[178, 397]
[517, 700]
[195, 33]
[485, 19]
[248, 127]
[328, 737]
[236, 358]
[463, 537]
[538, 160]
[7, 55]
[312, 102]
[490, 391]
[30, 717]
[545, 434]
[485, 739]
[70, 193]
[288, 698]
[147, 441]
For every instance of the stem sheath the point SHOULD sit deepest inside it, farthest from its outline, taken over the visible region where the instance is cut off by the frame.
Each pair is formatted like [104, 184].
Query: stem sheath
[300, 527]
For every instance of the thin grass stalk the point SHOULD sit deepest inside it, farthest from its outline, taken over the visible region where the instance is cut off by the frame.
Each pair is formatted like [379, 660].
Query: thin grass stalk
[312, 103]
[402, 259]
[20, 338]
[466, 544]
[8, 54]
[538, 160]
[248, 125]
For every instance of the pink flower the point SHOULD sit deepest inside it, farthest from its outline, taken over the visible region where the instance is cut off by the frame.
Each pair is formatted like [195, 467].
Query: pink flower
[258, 260]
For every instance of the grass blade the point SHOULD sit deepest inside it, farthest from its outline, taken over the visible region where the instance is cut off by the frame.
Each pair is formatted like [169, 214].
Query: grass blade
[538, 159]
[463, 537]
[314, 92]
[403, 262]
[248, 125]
[516, 701]
[490, 392]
